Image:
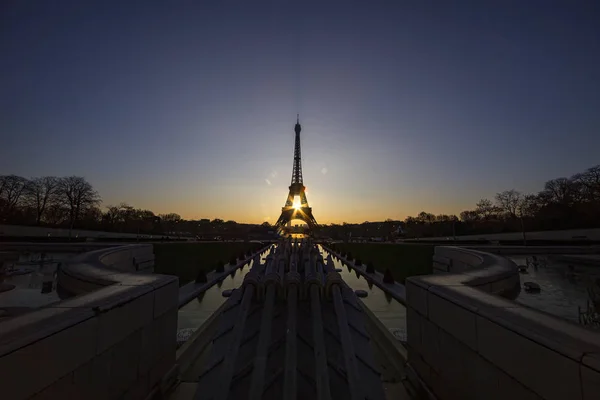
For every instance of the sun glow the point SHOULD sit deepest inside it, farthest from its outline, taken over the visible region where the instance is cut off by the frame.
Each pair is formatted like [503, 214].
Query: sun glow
[296, 203]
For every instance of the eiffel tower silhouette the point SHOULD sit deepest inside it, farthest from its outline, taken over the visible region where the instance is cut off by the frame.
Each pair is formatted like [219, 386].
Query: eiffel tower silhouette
[299, 210]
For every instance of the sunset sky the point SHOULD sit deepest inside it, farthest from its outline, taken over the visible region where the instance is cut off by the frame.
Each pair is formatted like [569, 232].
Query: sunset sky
[189, 106]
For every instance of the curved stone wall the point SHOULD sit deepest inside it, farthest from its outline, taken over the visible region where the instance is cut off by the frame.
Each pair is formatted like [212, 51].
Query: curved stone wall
[466, 342]
[116, 339]
[95, 269]
[488, 272]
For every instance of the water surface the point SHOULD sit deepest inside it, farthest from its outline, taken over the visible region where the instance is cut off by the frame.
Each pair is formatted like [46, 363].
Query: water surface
[562, 293]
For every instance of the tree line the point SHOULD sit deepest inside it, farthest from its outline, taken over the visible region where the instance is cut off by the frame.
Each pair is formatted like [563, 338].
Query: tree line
[72, 202]
[563, 203]
[47, 200]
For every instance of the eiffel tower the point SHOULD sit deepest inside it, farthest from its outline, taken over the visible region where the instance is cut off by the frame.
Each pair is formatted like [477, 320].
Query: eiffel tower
[300, 210]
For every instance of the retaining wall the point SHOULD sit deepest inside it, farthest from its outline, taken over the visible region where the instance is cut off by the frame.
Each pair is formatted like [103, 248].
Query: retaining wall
[117, 341]
[81, 274]
[466, 342]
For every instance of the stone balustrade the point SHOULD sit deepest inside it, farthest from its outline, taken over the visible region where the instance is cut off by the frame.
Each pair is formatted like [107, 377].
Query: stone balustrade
[81, 273]
[115, 340]
[465, 341]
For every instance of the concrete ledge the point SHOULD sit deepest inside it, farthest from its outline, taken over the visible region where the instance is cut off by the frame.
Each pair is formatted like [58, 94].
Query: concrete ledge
[536, 250]
[468, 342]
[111, 342]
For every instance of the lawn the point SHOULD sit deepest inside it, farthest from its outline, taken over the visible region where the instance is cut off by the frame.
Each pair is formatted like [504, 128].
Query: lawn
[403, 260]
[187, 259]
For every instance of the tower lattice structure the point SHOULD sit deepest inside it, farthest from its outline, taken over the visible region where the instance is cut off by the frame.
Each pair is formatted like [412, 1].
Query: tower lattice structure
[299, 211]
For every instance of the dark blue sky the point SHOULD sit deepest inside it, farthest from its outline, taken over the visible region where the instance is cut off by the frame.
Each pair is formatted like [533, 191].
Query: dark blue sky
[189, 106]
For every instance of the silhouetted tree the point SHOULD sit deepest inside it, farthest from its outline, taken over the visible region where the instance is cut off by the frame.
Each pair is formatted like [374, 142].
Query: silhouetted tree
[40, 193]
[77, 195]
[589, 182]
[485, 209]
[12, 189]
[507, 202]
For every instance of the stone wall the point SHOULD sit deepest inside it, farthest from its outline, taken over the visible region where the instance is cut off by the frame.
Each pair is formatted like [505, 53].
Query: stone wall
[591, 234]
[117, 341]
[81, 274]
[466, 343]
[20, 230]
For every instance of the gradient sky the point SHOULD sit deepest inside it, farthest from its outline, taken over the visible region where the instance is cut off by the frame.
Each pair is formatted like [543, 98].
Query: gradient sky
[189, 106]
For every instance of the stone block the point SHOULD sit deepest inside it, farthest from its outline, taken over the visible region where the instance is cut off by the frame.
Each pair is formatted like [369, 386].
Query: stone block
[438, 270]
[547, 373]
[151, 351]
[482, 376]
[99, 379]
[138, 390]
[441, 260]
[413, 329]
[592, 360]
[28, 328]
[509, 388]
[454, 319]
[422, 369]
[85, 382]
[590, 383]
[160, 369]
[166, 297]
[185, 391]
[449, 359]
[568, 339]
[430, 349]
[119, 322]
[61, 389]
[416, 297]
[124, 362]
[34, 367]
[168, 335]
[460, 369]
[437, 265]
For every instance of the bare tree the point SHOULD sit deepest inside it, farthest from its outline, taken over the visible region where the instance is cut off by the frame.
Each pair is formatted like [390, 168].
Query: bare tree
[77, 195]
[56, 214]
[562, 191]
[112, 215]
[529, 205]
[508, 202]
[426, 217]
[170, 221]
[485, 208]
[590, 182]
[12, 188]
[40, 193]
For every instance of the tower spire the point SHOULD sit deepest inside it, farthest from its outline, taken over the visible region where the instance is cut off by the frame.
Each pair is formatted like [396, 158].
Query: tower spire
[297, 211]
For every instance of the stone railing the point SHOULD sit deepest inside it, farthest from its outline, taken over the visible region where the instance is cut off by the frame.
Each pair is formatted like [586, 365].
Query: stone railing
[115, 340]
[466, 342]
[81, 273]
